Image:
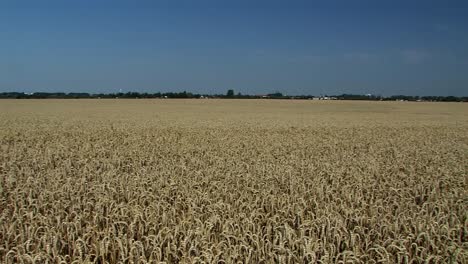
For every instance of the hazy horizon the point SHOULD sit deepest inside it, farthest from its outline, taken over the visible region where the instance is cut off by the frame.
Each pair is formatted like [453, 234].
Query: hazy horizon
[207, 47]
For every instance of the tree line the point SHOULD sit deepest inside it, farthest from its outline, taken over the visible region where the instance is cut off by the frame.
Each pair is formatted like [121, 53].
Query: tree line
[229, 95]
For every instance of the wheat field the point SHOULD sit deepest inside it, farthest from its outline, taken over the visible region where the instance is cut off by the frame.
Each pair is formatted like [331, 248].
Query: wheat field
[233, 181]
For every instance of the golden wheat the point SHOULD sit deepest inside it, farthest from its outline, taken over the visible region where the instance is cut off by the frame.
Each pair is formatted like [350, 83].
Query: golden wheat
[221, 181]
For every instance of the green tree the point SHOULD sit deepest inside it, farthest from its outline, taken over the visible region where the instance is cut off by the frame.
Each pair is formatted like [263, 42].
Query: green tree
[230, 93]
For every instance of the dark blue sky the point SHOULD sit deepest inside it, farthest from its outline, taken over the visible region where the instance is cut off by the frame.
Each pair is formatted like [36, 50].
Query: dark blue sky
[295, 47]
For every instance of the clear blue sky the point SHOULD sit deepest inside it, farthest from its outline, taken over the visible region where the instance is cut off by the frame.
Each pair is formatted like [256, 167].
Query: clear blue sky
[296, 47]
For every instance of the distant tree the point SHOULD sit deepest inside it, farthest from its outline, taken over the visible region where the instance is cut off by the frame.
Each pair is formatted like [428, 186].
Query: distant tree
[78, 95]
[230, 93]
[275, 95]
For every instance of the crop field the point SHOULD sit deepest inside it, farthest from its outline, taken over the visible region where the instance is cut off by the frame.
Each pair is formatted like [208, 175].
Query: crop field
[233, 181]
